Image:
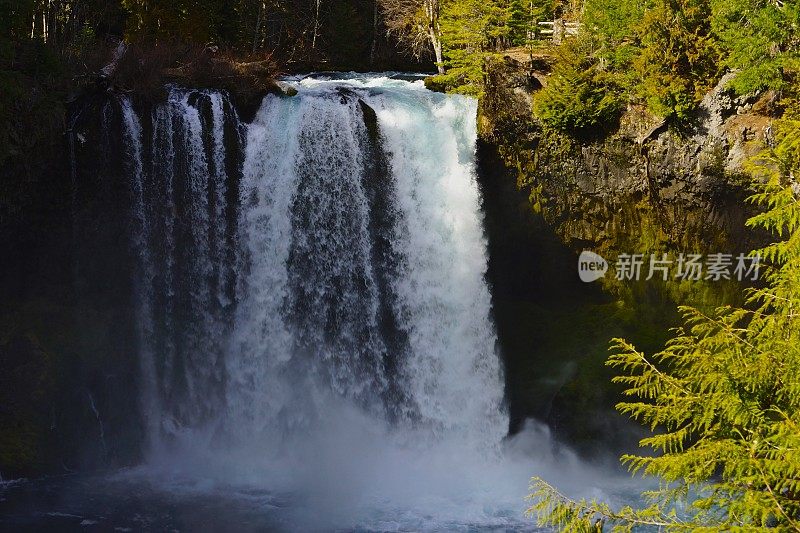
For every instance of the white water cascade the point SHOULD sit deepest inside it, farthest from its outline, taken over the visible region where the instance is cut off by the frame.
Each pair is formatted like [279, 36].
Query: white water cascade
[350, 266]
[312, 308]
[365, 260]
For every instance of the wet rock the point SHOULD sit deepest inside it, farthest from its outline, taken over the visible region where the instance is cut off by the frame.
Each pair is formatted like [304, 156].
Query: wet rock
[286, 89]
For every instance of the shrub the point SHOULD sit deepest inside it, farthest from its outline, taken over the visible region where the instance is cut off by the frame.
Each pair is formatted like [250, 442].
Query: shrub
[579, 95]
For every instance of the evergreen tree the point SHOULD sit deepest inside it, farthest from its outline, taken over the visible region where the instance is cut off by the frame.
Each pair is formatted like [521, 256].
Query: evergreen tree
[470, 29]
[523, 16]
[613, 26]
[760, 37]
[579, 95]
[679, 60]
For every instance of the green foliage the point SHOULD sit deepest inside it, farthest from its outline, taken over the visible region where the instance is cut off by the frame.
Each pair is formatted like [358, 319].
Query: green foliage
[470, 30]
[474, 29]
[579, 95]
[669, 53]
[523, 16]
[722, 398]
[660, 52]
[612, 25]
[679, 60]
[761, 38]
[519, 22]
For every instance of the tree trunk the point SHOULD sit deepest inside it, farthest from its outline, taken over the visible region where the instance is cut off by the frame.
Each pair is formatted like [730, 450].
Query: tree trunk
[434, 32]
[559, 30]
[256, 30]
[316, 25]
[437, 51]
[374, 34]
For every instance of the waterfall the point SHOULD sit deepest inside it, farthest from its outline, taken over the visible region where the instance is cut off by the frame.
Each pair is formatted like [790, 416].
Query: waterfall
[328, 254]
[143, 282]
[183, 282]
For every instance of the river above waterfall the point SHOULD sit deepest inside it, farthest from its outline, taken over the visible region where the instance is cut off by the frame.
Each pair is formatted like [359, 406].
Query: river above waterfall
[313, 323]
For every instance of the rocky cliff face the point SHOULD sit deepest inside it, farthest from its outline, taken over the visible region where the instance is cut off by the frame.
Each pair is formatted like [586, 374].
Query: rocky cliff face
[691, 183]
[636, 187]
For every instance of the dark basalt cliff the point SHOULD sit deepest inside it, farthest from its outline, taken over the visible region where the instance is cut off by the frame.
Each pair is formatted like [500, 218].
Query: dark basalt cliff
[636, 187]
[692, 182]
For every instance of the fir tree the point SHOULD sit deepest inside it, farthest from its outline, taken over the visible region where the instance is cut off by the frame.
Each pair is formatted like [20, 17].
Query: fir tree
[613, 25]
[579, 95]
[523, 16]
[761, 38]
[679, 60]
[470, 30]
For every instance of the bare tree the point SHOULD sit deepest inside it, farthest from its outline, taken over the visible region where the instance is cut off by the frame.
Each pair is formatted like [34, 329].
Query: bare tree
[416, 23]
[261, 14]
[374, 44]
[316, 23]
